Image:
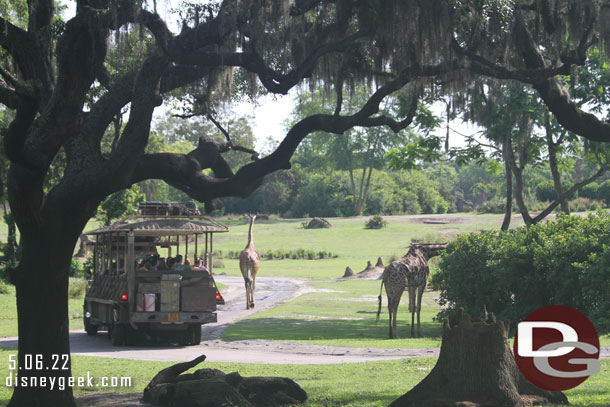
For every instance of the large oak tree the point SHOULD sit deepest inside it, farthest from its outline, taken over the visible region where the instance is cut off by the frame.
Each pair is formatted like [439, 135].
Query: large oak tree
[57, 80]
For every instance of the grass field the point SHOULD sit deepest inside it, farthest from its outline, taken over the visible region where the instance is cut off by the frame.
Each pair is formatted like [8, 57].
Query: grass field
[347, 238]
[340, 313]
[372, 384]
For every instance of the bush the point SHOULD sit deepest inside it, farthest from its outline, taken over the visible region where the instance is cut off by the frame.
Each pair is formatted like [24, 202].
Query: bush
[76, 288]
[77, 268]
[492, 206]
[515, 272]
[589, 191]
[217, 264]
[603, 192]
[584, 204]
[376, 222]
[3, 287]
[545, 191]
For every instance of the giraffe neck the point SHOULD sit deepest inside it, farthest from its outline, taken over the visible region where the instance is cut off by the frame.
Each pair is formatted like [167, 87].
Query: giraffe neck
[250, 235]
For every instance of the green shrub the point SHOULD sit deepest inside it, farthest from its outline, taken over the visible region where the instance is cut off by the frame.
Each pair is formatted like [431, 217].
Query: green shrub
[584, 204]
[77, 268]
[589, 191]
[603, 192]
[76, 287]
[376, 222]
[513, 273]
[3, 287]
[545, 191]
[492, 206]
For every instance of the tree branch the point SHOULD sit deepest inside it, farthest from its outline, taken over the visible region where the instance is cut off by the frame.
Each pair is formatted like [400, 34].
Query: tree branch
[273, 80]
[553, 93]
[569, 192]
[185, 171]
[8, 97]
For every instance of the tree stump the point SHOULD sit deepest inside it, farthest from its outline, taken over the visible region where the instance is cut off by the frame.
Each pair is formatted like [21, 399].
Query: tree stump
[318, 223]
[476, 368]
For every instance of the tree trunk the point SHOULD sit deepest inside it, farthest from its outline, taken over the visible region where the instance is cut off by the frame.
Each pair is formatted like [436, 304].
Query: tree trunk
[518, 173]
[41, 282]
[552, 147]
[476, 368]
[508, 209]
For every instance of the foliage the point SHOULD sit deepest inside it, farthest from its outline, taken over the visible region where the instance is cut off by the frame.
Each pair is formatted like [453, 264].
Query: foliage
[376, 222]
[3, 287]
[121, 203]
[76, 287]
[545, 191]
[603, 192]
[589, 191]
[279, 254]
[513, 273]
[77, 268]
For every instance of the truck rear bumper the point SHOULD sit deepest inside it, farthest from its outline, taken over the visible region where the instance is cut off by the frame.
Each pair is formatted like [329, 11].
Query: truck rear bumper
[174, 317]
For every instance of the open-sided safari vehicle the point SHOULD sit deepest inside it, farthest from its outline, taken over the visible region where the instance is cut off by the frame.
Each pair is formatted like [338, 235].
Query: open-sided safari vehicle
[137, 287]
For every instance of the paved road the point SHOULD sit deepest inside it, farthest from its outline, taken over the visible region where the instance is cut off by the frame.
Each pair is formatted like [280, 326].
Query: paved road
[270, 293]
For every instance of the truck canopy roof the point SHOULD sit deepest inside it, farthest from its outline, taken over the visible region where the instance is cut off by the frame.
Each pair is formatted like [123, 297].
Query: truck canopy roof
[146, 226]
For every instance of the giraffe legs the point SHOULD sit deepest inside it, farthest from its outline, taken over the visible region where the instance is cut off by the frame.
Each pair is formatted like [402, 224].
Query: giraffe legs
[392, 316]
[412, 308]
[420, 293]
[248, 291]
[253, 286]
[393, 302]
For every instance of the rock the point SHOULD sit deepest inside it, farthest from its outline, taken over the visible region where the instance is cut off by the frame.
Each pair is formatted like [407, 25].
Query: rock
[318, 223]
[271, 391]
[211, 392]
[348, 272]
[213, 388]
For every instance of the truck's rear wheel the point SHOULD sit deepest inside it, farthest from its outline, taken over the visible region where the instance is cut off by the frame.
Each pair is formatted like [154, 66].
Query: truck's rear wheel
[117, 330]
[192, 335]
[196, 334]
[117, 335]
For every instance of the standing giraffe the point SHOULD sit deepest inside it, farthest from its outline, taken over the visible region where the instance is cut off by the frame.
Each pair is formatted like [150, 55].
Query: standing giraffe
[248, 264]
[409, 272]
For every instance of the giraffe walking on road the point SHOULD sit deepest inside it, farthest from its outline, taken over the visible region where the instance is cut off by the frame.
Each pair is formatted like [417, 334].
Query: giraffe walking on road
[248, 264]
[409, 272]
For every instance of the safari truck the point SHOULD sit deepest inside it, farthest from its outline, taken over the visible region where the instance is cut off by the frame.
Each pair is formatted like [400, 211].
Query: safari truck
[138, 289]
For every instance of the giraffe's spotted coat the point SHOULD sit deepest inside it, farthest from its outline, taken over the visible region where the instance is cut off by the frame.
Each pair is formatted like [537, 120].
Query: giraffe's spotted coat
[411, 273]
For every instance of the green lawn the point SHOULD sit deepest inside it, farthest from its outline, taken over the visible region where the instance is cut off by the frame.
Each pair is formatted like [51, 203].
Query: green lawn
[8, 313]
[342, 315]
[347, 238]
[372, 384]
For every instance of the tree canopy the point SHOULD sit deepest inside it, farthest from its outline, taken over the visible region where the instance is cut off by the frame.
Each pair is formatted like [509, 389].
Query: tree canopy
[67, 84]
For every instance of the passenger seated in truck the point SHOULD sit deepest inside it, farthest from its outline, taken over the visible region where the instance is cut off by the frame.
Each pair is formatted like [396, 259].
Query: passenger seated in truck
[199, 266]
[154, 262]
[178, 265]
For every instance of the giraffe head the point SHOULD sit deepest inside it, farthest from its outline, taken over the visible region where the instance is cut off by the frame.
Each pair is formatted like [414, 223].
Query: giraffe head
[429, 250]
[250, 218]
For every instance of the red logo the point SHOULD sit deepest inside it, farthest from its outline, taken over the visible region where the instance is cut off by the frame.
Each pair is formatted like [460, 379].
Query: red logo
[556, 348]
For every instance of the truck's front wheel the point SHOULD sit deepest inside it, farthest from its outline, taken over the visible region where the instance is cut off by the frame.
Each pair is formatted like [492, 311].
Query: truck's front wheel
[89, 327]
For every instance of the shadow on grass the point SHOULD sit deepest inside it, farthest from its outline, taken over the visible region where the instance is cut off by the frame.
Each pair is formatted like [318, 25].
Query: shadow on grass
[294, 329]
